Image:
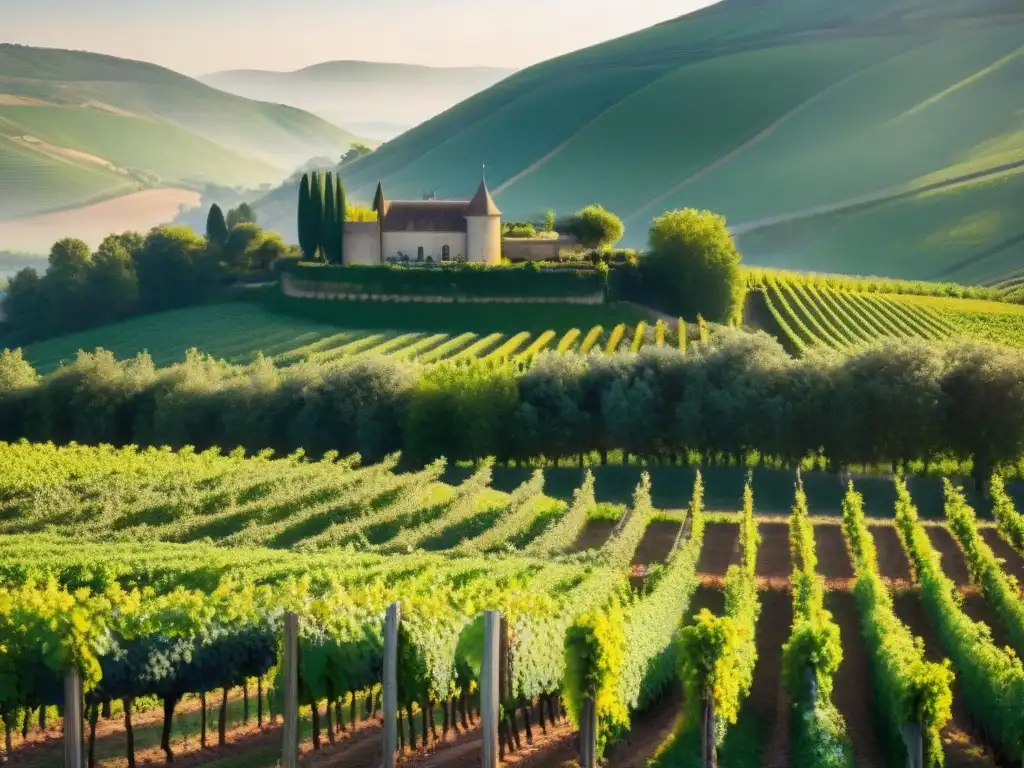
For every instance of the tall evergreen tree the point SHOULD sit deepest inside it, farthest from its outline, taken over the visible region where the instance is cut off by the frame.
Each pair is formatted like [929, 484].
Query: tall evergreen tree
[341, 218]
[216, 226]
[327, 224]
[307, 238]
[316, 211]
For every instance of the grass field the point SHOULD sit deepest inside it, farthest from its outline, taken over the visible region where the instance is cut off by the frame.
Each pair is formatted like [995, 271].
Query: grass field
[238, 332]
[76, 127]
[813, 105]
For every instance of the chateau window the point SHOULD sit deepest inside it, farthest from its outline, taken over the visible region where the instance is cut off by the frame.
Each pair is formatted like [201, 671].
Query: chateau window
[419, 253]
[446, 253]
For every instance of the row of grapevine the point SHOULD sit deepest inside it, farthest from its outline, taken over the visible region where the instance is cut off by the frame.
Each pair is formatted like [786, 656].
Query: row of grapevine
[717, 654]
[908, 689]
[809, 314]
[601, 666]
[992, 679]
[1001, 591]
[1010, 521]
[515, 518]
[812, 655]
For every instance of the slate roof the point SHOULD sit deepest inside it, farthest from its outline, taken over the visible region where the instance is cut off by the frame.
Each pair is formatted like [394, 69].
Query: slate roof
[425, 216]
[482, 203]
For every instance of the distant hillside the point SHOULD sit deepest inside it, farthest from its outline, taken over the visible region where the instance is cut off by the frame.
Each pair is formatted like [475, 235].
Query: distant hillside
[79, 127]
[771, 112]
[373, 98]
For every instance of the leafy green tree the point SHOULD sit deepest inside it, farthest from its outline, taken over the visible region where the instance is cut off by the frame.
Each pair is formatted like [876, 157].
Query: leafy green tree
[328, 227]
[174, 269]
[356, 151]
[23, 306]
[243, 214]
[307, 230]
[216, 226]
[112, 283]
[269, 248]
[594, 227]
[693, 265]
[359, 213]
[242, 241]
[549, 221]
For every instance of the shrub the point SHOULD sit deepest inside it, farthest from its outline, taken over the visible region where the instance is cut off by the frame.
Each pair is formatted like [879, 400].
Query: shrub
[594, 227]
[692, 265]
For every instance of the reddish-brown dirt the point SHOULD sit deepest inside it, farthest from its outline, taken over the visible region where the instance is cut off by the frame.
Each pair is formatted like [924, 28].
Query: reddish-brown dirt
[773, 554]
[721, 548]
[594, 534]
[767, 698]
[1013, 563]
[953, 563]
[833, 558]
[963, 749]
[892, 560]
[656, 543]
[853, 691]
[979, 610]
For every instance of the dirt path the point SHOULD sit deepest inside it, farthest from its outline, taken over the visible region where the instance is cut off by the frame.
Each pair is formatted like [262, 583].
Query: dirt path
[853, 693]
[892, 560]
[952, 560]
[963, 749]
[657, 542]
[1013, 563]
[833, 557]
[768, 700]
[594, 534]
[773, 554]
[721, 549]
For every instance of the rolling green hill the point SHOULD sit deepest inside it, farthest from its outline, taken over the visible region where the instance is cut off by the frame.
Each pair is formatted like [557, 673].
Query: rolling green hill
[78, 127]
[760, 109]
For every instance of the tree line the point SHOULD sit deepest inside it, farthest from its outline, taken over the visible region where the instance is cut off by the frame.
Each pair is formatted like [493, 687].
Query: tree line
[131, 274]
[895, 403]
[323, 211]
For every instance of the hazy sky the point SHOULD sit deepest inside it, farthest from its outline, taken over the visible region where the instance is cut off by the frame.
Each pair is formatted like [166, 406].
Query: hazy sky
[200, 36]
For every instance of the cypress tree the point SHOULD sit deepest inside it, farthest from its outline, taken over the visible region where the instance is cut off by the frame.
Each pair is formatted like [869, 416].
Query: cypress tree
[316, 211]
[328, 228]
[216, 226]
[342, 217]
[307, 240]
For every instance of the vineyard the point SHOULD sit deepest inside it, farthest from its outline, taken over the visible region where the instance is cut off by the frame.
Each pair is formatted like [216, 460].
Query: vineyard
[240, 332]
[821, 311]
[163, 577]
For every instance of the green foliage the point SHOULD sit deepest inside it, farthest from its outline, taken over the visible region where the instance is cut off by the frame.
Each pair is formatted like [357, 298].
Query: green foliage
[653, 622]
[216, 226]
[693, 265]
[594, 227]
[316, 212]
[908, 689]
[560, 536]
[1001, 590]
[354, 152]
[717, 654]
[992, 679]
[814, 648]
[453, 279]
[1011, 522]
[595, 651]
[307, 224]
[329, 228]
[243, 214]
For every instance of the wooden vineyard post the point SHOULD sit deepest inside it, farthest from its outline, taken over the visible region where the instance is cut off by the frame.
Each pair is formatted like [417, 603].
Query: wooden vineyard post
[390, 679]
[914, 741]
[73, 719]
[489, 683]
[709, 750]
[588, 734]
[290, 661]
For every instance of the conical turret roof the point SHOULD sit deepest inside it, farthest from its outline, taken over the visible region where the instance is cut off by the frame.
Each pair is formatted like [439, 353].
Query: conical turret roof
[482, 203]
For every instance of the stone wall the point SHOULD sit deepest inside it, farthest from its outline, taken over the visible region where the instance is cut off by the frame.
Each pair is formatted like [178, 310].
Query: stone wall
[362, 242]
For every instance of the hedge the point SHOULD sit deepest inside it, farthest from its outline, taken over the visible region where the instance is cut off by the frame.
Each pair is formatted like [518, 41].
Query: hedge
[458, 279]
